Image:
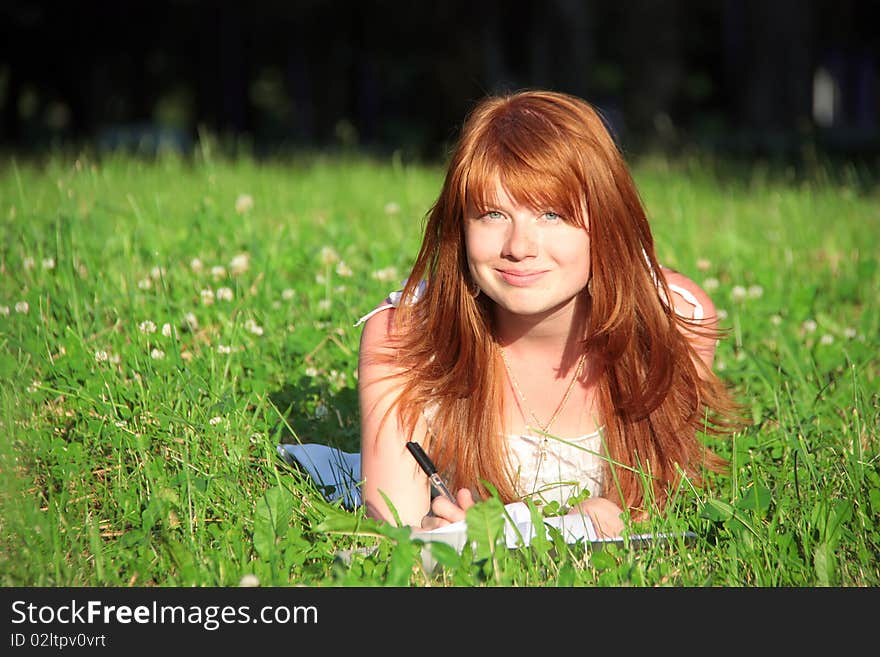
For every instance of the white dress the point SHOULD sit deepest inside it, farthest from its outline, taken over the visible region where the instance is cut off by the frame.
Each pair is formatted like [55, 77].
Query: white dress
[553, 470]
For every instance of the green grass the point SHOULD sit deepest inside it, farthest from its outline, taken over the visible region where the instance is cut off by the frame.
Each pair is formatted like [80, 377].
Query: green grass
[133, 457]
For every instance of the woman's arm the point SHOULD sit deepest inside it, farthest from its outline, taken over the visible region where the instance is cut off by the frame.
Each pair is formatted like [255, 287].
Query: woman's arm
[386, 465]
[703, 345]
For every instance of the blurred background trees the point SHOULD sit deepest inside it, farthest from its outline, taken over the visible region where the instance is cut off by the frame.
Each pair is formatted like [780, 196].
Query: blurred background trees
[741, 77]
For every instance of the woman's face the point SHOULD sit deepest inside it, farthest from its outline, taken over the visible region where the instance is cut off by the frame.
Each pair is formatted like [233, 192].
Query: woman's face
[530, 261]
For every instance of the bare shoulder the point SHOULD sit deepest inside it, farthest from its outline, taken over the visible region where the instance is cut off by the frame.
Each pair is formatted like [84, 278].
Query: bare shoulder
[378, 329]
[684, 302]
[685, 295]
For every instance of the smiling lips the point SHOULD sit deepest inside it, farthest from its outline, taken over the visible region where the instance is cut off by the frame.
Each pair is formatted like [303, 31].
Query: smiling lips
[520, 278]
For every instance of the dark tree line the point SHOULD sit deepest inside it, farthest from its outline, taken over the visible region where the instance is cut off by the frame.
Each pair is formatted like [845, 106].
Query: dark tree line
[391, 74]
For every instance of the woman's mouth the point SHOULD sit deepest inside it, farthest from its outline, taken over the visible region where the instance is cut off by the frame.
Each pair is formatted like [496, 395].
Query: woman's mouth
[520, 278]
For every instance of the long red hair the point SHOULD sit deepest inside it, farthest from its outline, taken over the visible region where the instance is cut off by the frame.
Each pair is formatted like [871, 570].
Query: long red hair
[553, 150]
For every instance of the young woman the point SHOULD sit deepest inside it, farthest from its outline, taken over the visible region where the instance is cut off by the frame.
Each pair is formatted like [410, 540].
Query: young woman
[537, 344]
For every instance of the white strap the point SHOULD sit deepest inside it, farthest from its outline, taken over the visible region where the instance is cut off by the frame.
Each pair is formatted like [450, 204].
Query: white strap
[690, 298]
[395, 298]
[385, 306]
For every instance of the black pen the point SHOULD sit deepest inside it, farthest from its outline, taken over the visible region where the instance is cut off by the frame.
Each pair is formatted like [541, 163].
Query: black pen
[430, 469]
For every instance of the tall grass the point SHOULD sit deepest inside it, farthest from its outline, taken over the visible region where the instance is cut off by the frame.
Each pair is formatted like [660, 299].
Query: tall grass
[164, 324]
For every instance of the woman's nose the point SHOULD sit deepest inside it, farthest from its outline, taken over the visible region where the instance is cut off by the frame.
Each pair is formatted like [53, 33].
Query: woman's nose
[522, 241]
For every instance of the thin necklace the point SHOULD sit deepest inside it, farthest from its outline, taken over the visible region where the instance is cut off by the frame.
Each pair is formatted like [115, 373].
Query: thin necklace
[525, 405]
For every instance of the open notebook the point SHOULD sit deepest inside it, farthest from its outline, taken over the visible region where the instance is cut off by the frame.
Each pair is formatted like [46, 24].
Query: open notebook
[338, 473]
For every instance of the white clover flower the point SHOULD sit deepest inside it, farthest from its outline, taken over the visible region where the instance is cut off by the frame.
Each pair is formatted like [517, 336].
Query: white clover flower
[48, 263]
[721, 313]
[343, 269]
[392, 208]
[339, 289]
[157, 272]
[703, 264]
[147, 327]
[214, 421]
[755, 291]
[249, 581]
[311, 372]
[218, 272]
[196, 265]
[22, 307]
[157, 354]
[166, 330]
[320, 279]
[738, 293]
[224, 294]
[329, 256]
[253, 327]
[191, 321]
[28, 263]
[101, 356]
[4, 310]
[288, 294]
[276, 305]
[324, 304]
[776, 320]
[809, 325]
[336, 378]
[244, 203]
[145, 284]
[849, 333]
[34, 386]
[386, 275]
[826, 339]
[224, 349]
[207, 296]
[240, 263]
[711, 284]
[114, 358]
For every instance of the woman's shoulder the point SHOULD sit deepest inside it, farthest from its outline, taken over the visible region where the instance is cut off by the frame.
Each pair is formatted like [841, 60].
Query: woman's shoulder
[688, 299]
[692, 302]
[377, 325]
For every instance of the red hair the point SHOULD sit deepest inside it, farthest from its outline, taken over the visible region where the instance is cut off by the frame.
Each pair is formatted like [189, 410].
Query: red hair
[553, 150]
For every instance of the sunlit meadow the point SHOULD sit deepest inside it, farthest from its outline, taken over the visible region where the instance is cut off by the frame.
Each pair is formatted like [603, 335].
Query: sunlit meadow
[165, 323]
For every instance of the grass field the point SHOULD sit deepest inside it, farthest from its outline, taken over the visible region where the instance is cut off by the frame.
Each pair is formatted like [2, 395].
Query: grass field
[165, 324]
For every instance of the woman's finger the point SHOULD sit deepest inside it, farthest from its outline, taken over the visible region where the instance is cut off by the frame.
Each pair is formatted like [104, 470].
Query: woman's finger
[443, 508]
[431, 521]
[465, 498]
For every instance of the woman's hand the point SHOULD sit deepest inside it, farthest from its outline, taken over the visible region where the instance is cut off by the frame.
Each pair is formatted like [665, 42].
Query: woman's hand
[604, 514]
[444, 512]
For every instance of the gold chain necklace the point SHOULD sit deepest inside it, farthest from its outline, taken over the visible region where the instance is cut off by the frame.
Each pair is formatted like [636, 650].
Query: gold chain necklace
[525, 404]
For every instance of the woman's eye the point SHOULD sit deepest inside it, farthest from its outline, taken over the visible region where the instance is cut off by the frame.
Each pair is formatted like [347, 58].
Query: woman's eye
[552, 216]
[494, 215]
